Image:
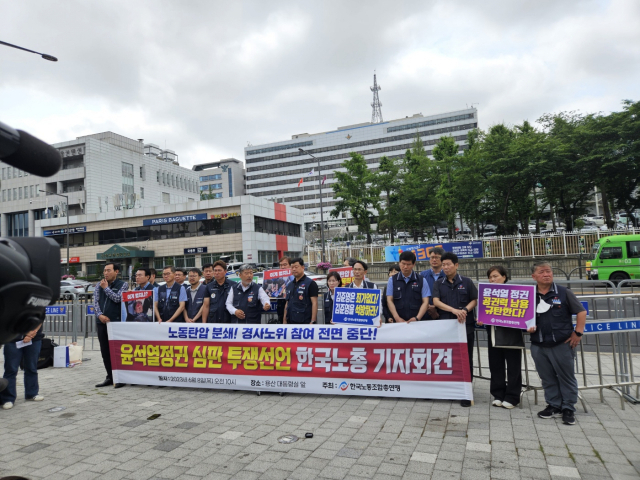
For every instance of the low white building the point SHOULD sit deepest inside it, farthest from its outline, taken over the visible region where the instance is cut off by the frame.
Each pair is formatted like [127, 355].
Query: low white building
[248, 229]
[104, 172]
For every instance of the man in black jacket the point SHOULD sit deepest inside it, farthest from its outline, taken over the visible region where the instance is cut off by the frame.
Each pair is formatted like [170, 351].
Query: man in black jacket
[106, 302]
[455, 297]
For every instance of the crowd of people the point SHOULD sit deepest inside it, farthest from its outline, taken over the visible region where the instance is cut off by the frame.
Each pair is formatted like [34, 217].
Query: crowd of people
[439, 293]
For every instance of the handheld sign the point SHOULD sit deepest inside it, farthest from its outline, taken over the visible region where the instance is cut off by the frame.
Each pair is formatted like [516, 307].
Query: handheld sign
[137, 306]
[510, 306]
[275, 282]
[357, 306]
[346, 274]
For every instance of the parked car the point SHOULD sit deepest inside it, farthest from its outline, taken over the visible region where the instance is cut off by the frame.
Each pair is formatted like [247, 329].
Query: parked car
[402, 235]
[598, 220]
[442, 231]
[232, 268]
[68, 289]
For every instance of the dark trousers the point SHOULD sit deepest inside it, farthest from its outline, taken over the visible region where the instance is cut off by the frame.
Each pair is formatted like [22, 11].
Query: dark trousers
[103, 338]
[12, 357]
[280, 304]
[505, 389]
[556, 368]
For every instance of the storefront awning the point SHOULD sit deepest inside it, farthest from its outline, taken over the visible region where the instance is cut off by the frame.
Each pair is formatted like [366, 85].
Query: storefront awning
[118, 251]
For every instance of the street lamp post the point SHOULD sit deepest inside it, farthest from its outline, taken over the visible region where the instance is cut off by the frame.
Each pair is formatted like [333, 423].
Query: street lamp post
[321, 209]
[46, 56]
[66, 198]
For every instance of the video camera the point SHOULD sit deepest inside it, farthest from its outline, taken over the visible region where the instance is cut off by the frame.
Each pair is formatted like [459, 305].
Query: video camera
[29, 267]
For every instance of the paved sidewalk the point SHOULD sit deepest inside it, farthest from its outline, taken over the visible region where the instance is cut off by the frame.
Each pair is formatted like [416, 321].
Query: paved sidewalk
[105, 433]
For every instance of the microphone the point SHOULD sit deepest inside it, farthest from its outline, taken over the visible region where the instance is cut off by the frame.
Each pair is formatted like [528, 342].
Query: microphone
[26, 152]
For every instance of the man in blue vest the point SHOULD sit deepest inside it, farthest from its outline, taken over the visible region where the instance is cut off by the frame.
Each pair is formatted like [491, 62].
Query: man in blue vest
[302, 297]
[143, 276]
[552, 342]
[431, 275]
[407, 292]
[153, 276]
[217, 291]
[455, 297]
[359, 276]
[107, 301]
[181, 277]
[247, 300]
[171, 298]
[196, 293]
[207, 271]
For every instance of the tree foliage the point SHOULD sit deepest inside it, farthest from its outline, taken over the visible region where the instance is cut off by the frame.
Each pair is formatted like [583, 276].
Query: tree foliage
[355, 193]
[508, 176]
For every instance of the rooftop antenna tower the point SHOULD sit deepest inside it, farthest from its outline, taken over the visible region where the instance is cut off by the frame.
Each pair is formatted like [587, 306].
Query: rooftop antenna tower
[376, 114]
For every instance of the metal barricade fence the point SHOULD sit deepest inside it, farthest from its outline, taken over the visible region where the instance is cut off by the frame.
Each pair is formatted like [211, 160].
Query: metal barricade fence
[612, 330]
[69, 319]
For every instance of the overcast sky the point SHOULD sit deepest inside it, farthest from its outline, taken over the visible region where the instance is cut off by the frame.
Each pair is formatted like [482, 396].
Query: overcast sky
[206, 77]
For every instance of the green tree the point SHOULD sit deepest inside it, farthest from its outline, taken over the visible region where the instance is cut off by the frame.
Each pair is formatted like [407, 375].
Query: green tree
[387, 181]
[470, 178]
[417, 208]
[445, 154]
[566, 175]
[355, 193]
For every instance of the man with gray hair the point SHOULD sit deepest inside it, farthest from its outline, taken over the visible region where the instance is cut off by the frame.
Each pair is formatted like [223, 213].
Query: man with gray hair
[432, 275]
[553, 340]
[247, 299]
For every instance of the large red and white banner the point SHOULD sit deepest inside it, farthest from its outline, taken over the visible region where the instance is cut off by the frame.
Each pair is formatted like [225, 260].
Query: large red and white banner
[416, 360]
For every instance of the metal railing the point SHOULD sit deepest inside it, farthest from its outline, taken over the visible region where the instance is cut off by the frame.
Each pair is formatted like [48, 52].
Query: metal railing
[515, 246]
[612, 324]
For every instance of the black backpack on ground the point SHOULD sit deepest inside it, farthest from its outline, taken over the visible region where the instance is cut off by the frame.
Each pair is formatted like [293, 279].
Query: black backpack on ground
[45, 359]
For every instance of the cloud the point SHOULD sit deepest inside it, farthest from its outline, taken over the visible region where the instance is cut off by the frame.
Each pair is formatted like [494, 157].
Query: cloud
[209, 76]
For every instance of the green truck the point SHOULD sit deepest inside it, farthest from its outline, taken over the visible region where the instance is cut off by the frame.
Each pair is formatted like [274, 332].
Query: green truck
[616, 258]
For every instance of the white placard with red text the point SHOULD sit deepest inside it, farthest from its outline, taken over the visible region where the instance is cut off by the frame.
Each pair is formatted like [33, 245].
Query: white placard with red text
[415, 360]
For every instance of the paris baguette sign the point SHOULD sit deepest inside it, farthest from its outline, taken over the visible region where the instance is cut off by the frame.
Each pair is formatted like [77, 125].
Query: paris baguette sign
[176, 219]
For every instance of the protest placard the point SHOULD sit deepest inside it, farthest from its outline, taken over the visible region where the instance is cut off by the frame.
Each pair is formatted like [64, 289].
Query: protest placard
[346, 274]
[507, 305]
[275, 282]
[357, 306]
[417, 360]
[137, 306]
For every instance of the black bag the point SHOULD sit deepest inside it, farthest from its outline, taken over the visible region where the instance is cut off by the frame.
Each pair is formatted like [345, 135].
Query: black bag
[45, 359]
[504, 337]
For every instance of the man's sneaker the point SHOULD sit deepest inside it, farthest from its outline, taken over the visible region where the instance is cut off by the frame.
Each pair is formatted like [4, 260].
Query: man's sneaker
[550, 412]
[7, 406]
[508, 405]
[37, 398]
[568, 418]
[497, 403]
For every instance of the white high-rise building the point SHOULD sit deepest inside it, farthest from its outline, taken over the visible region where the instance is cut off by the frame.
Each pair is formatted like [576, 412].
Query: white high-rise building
[274, 170]
[100, 173]
[221, 179]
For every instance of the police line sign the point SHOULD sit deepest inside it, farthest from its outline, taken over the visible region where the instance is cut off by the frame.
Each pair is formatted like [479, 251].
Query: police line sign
[417, 360]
